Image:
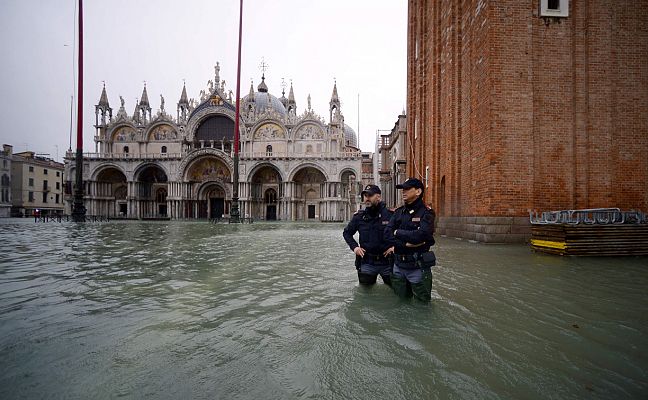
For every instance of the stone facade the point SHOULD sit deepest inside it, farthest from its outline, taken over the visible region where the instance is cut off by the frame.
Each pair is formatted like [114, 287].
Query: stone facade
[36, 185]
[511, 111]
[393, 161]
[293, 166]
[5, 180]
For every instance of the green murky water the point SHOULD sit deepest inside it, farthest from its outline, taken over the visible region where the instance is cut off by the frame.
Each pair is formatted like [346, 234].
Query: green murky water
[272, 311]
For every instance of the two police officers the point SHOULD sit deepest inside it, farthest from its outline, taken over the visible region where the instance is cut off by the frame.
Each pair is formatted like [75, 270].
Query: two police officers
[373, 254]
[411, 230]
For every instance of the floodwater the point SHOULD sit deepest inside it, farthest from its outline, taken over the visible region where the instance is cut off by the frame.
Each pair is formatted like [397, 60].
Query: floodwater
[171, 310]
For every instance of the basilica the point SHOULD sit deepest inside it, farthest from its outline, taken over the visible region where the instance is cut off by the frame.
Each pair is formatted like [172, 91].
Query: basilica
[294, 166]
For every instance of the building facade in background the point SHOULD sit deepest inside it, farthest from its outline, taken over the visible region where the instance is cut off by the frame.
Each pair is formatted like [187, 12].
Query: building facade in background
[293, 165]
[36, 185]
[519, 106]
[5, 180]
[393, 161]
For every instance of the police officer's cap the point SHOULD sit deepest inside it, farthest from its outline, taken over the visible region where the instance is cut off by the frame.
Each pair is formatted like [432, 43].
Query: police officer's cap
[411, 183]
[370, 190]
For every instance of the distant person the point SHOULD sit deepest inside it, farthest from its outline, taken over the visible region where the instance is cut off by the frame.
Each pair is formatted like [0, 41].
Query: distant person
[373, 254]
[411, 228]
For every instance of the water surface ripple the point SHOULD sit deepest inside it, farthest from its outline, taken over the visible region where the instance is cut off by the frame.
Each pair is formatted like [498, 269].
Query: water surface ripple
[273, 311]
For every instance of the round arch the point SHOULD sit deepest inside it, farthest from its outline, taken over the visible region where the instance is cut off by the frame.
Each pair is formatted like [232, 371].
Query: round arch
[257, 167]
[157, 132]
[207, 167]
[137, 174]
[295, 171]
[347, 170]
[102, 167]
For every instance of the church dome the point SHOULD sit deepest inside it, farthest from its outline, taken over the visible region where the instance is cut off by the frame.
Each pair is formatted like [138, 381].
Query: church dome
[263, 99]
[350, 137]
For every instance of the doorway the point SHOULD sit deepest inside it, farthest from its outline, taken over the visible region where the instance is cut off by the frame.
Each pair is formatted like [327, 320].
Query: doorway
[216, 207]
[311, 211]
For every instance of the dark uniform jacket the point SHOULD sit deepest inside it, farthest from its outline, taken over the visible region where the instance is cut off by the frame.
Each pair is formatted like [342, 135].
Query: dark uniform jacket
[371, 224]
[414, 224]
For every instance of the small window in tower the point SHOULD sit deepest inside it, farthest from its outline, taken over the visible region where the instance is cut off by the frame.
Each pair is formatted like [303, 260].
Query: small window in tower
[268, 150]
[126, 149]
[554, 8]
[164, 149]
[58, 173]
[31, 169]
[45, 171]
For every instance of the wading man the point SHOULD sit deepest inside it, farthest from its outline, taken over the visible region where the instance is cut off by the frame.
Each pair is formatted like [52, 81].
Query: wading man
[373, 254]
[411, 230]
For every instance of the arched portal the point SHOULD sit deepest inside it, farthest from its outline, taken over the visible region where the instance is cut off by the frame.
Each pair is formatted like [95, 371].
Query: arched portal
[152, 187]
[350, 194]
[265, 190]
[108, 192]
[309, 182]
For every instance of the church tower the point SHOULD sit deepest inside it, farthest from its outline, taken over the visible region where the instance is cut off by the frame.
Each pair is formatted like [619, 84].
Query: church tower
[334, 107]
[143, 108]
[101, 123]
[183, 106]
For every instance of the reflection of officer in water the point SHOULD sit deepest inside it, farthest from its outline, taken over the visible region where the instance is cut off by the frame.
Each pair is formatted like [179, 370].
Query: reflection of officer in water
[411, 228]
[373, 255]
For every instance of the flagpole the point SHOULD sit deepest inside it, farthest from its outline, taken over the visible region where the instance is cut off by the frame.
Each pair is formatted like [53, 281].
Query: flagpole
[78, 208]
[235, 214]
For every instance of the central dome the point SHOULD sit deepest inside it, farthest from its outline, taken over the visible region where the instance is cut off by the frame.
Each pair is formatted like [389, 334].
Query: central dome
[350, 137]
[263, 99]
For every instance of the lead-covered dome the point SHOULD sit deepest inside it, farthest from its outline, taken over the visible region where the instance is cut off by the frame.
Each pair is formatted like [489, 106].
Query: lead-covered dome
[350, 136]
[262, 99]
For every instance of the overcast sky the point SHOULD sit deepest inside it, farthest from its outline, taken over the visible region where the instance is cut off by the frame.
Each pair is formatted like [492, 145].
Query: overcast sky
[360, 43]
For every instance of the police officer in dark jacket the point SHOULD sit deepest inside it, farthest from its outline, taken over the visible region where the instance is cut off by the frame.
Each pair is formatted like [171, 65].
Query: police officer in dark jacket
[373, 254]
[411, 230]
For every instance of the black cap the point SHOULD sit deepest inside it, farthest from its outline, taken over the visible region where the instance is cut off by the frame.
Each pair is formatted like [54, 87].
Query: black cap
[411, 183]
[370, 190]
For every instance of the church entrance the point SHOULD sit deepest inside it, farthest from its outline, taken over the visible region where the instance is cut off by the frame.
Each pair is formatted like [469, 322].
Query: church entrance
[270, 200]
[216, 207]
[311, 211]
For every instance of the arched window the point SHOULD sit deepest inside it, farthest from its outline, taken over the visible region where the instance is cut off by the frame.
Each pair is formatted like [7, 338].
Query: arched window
[164, 149]
[268, 150]
[126, 149]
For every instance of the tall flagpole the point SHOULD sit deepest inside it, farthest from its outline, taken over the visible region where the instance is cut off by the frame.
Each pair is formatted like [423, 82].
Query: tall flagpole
[235, 214]
[78, 208]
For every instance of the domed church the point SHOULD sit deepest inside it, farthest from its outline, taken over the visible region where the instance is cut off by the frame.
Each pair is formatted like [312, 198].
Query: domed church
[294, 166]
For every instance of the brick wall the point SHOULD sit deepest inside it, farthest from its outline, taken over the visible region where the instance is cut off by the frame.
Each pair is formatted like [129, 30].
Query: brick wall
[512, 112]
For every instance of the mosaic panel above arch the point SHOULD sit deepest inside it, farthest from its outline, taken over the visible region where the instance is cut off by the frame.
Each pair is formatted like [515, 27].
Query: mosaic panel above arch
[124, 134]
[269, 130]
[162, 132]
[309, 131]
[207, 169]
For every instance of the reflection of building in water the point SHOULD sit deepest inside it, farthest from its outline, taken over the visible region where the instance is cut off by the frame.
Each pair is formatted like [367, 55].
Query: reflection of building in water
[293, 166]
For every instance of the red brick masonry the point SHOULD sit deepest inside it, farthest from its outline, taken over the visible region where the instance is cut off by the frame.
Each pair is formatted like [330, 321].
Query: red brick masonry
[512, 112]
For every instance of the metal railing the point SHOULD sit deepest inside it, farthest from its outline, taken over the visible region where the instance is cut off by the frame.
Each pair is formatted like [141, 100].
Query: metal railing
[589, 216]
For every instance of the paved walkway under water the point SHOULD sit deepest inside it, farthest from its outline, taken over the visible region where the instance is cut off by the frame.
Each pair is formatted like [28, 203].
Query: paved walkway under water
[273, 311]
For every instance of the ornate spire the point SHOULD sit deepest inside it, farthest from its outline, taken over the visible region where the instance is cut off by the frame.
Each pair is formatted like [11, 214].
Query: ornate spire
[136, 117]
[251, 94]
[291, 95]
[103, 100]
[334, 96]
[144, 101]
[183, 96]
